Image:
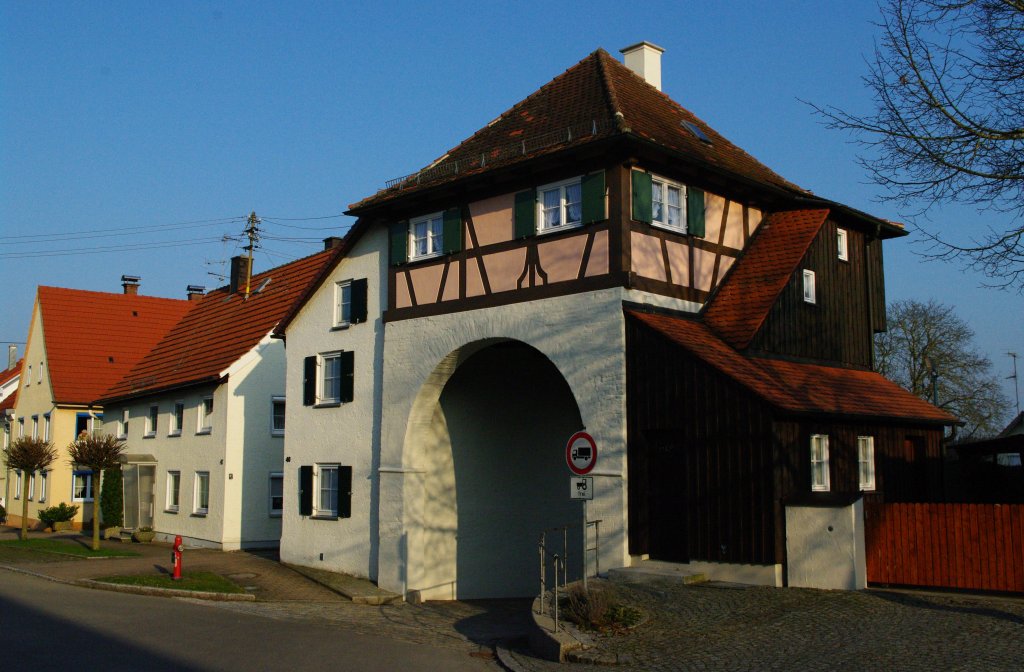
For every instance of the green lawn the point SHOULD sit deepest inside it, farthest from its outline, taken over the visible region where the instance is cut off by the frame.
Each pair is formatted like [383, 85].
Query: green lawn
[199, 581]
[56, 548]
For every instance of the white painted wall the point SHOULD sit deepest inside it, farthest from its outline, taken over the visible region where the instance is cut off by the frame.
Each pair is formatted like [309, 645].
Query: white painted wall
[825, 547]
[346, 434]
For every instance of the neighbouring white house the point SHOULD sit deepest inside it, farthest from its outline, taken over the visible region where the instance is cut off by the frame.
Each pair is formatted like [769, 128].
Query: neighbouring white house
[9, 379]
[203, 414]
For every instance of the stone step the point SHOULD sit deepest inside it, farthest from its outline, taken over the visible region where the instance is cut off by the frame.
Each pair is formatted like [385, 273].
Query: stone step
[651, 571]
[360, 591]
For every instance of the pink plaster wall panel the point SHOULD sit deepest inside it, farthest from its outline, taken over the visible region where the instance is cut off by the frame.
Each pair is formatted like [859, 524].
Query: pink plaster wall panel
[723, 267]
[647, 260]
[754, 218]
[474, 285]
[703, 269]
[598, 264]
[402, 298]
[504, 268]
[714, 206]
[561, 258]
[492, 220]
[451, 284]
[426, 280]
[734, 227]
[679, 263]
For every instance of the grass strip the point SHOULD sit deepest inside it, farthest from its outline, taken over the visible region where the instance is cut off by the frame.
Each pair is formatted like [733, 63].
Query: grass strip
[206, 582]
[65, 547]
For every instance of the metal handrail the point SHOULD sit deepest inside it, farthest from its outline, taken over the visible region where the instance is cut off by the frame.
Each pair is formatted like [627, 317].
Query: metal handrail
[562, 561]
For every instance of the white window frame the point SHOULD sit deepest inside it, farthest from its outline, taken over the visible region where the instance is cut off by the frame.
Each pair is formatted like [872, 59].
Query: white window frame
[31, 486]
[323, 364]
[197, 506]
[21, 427]
[204, 421]
[17, 483]
[274, 429]
[177, 420]
[122, 424]
[46, 426]
[39, 380]
[87, 493]
[173, 499]
[842, 245]
[35, 426]
[318, 478]
[28, 376]
[152, 420]
[665, 186]
[434, 241]
[819, 456]
[564, 223]
[343, 303]
[810, 291]
[866, 462]
[42, 485]
[275, 512]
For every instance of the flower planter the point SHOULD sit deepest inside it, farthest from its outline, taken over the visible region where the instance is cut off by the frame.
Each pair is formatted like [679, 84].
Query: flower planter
[143, 536]
[112, 532]
[62, 526]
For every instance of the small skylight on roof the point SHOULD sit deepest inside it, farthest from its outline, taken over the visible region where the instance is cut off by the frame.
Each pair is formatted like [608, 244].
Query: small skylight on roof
[693, 128]
[263, 286]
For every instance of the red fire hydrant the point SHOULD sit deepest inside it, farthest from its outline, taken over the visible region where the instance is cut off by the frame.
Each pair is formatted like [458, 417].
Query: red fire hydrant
[176, 558]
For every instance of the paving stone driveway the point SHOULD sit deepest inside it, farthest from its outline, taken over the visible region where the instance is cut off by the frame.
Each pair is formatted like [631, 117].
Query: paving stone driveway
[708, 627]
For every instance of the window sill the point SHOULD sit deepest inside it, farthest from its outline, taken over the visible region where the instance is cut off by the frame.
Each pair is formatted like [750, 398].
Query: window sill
[178, 433]
[174, 511]
[424, 257]
[666, 227]
[204, 431]
[327, 404]
[276, 514]
[323, 516]
[149, 436]
[122, 436]
[558, 229]
[341, 327]
[198, 514]
[277, 434]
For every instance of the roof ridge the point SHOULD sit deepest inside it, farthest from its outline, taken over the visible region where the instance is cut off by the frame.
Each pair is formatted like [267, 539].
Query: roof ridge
[609, 90]
[145, 297]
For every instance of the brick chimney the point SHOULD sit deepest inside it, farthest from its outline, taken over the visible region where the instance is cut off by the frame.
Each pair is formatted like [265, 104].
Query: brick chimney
[240, 270]
[130, 283]
[12, 356]
[332, 242]
[195, 292]
[644, 59]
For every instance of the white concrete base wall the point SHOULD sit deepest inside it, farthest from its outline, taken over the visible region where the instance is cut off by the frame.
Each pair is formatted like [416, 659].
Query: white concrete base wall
[825, 547]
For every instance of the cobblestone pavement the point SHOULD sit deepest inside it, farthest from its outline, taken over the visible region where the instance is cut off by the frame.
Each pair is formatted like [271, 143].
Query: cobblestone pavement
[709, 627]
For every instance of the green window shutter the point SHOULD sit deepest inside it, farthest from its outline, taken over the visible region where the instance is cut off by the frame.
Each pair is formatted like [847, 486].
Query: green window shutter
[309, 381]
[399, 243]
[695, 212]
[593, 198]
[348, 359]
[642, 195]
[344, 492]
[452, 237]
[526, 213]
[306, 491]
[358, 313]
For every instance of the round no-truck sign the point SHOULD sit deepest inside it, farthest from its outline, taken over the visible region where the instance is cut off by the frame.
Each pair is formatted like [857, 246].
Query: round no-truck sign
[581, 453]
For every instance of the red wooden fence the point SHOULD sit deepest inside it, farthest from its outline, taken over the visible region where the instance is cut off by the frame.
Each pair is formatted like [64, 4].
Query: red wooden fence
[970, 546]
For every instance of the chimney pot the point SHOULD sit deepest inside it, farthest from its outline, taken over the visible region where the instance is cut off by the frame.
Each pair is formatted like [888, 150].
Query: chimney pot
[130, 284]
[195, 292]
[12, 356]
[240, 269]
[644, 59]
[331, 242]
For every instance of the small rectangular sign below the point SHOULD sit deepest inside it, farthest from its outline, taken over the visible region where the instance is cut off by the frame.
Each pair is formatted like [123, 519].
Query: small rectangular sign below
[581, 488]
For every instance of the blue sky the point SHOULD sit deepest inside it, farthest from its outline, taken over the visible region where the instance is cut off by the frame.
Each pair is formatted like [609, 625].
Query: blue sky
[181, 118]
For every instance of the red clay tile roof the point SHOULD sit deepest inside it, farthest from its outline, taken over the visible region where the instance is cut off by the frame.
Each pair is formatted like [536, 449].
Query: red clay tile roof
[94, 338]
[7, 374]
[597, 98]
[219, 329]
[746, 296]
[10, 401]
[798, 387]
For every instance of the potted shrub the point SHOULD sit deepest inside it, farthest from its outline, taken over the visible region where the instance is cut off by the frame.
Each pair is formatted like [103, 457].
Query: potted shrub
[58, 518]
[144, 534]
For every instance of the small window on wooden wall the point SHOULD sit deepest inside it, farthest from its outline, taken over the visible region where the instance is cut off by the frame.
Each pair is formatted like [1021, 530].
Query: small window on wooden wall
[866, 462]
[819, 463]
[809, 290]
[841, 245]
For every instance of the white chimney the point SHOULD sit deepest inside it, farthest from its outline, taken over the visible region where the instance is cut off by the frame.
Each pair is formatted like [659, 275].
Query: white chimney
[12, 356]
[644, 59]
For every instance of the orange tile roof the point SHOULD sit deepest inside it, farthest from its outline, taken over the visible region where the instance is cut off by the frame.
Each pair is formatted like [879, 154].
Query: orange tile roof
[7, 374]
[93, 338]
[798, 387]
[219, 329]
[742, 303]
[10, 401]
[599, 97]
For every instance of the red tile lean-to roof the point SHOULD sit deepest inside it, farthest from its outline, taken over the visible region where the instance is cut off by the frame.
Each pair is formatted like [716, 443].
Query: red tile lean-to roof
[7, 374]
[219, 329]
[94, 338]
[742, 303]
[798, 387]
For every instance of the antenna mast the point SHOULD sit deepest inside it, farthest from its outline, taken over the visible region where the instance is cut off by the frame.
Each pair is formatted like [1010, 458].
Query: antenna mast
[252, 230]
[1016, 387]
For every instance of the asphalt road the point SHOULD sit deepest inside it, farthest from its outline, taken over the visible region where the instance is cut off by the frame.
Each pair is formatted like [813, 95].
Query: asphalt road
[52, 626]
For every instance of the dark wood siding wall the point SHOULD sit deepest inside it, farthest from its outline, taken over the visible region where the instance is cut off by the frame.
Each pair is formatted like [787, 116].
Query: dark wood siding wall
[701, 479]
[908, 462]
[876, 284]
[837, 327]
